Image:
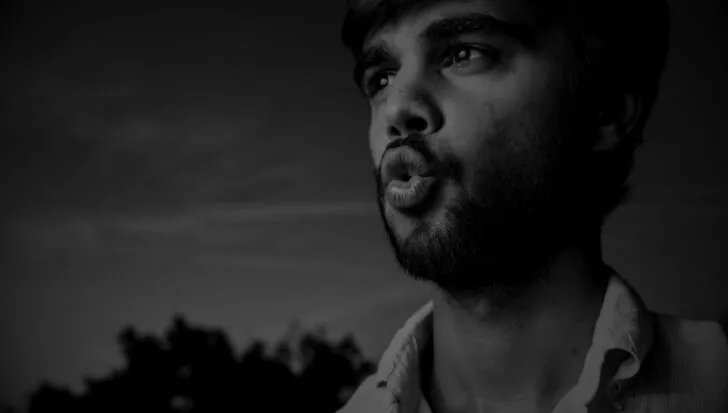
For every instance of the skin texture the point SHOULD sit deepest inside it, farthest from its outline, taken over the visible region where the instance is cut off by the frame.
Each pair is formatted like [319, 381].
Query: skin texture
[519, 276]
[489, 114]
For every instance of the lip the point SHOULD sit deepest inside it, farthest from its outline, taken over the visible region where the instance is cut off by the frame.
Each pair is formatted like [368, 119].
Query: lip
[407, 178]
[403, 163]
[405, 195]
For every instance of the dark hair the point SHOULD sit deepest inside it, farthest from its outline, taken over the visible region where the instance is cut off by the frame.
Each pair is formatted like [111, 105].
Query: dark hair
[619, 46]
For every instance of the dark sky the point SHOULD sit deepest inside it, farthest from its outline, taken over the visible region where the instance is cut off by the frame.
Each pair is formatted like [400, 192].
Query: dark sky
[212, 160]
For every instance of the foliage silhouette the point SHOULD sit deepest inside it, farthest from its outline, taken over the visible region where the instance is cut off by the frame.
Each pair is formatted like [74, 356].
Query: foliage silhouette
[196, 369]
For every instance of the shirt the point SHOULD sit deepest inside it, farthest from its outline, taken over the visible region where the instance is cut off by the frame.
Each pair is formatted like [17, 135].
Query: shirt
[668, 364]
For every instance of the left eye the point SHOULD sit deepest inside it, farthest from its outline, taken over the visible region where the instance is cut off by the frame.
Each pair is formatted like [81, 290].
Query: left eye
[463, 57]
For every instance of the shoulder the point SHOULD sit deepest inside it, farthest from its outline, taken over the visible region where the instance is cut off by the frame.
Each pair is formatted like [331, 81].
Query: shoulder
[367, 398]
[688, 363]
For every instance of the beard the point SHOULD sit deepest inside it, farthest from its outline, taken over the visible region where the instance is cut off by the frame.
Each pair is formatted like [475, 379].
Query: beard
[498, 239]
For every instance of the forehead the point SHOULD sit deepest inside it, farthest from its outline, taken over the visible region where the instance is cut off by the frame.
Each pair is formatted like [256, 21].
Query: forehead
[414, 20]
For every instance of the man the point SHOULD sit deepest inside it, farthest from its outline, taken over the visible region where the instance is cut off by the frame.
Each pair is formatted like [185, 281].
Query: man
[503, 134]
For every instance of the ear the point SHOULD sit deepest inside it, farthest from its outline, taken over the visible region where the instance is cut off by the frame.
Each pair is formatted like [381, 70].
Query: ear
[616, 120]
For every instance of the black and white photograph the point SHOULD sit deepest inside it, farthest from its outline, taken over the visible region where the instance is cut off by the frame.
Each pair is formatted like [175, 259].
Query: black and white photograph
[364, 206]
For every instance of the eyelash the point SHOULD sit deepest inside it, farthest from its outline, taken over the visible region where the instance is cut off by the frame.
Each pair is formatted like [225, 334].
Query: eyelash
[487, 52]
[491, 55]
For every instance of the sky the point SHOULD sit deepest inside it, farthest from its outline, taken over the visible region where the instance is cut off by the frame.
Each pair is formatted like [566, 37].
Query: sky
[212, 161]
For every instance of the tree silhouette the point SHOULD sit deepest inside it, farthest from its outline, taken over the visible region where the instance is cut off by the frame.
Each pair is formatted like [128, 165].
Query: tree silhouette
[195, 369]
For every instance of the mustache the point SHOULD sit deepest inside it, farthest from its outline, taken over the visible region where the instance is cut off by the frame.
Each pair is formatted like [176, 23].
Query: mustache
[414, 142]
[444, 167]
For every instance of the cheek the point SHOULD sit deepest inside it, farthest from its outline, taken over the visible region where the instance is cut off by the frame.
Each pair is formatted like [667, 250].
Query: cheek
[500, 125]
[481, 133]
[493, 149]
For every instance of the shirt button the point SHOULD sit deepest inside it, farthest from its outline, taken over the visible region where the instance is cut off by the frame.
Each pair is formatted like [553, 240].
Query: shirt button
[614, 389]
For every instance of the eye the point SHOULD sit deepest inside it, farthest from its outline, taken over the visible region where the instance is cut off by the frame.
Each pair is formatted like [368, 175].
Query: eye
[468, 58]
[377, 81]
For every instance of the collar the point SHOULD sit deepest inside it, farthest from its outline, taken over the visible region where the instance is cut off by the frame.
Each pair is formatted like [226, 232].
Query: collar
[623, 324]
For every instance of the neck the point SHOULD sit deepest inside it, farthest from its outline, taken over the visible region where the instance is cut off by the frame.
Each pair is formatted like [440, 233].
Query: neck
[523, 355]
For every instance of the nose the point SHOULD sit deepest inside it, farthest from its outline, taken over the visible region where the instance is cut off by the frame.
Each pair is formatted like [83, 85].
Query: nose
[412, 109]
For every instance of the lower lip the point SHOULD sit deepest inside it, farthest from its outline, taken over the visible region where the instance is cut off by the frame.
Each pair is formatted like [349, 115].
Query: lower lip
[405, 195]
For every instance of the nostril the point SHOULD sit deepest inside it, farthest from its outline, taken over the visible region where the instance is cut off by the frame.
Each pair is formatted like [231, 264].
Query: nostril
[394, 131]
[416, 124]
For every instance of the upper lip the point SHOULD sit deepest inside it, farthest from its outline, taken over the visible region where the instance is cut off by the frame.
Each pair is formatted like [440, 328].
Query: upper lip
[403, 163]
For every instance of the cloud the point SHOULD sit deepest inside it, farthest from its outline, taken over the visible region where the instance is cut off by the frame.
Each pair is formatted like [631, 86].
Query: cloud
[258, 211]
[170, 109]
[221, 229]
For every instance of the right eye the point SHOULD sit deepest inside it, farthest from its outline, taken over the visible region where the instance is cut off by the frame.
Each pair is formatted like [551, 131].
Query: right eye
[377, 81]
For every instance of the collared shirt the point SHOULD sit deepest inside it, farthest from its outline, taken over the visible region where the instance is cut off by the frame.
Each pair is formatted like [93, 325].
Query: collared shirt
[663, 364]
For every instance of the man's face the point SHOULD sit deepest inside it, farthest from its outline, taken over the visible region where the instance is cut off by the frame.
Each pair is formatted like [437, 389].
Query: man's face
[469, 137]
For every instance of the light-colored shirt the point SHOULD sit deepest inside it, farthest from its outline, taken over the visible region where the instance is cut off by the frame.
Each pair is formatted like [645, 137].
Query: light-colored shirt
[669, 364]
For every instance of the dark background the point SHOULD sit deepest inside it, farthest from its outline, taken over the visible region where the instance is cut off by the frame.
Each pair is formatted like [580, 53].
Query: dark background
[212, 160]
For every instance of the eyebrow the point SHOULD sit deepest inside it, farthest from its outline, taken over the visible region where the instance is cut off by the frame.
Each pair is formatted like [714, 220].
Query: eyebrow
[446, 29]
[452, 27]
